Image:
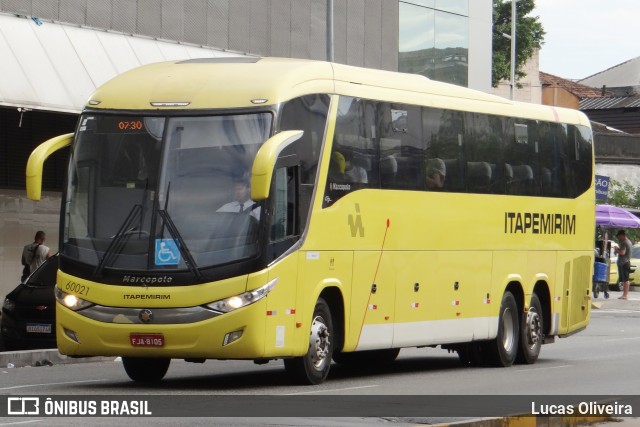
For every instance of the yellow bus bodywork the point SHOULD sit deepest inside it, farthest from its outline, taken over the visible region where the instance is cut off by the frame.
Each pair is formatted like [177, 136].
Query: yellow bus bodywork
[411, 268]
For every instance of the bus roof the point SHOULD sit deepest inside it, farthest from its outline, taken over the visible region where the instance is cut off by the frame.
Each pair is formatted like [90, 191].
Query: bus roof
[241, 82]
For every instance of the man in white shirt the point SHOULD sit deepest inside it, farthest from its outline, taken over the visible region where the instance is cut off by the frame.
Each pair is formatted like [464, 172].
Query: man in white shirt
[36, 253]
[242, 202]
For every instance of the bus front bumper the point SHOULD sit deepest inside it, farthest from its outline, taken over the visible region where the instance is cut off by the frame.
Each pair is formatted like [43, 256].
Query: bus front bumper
[235, 335]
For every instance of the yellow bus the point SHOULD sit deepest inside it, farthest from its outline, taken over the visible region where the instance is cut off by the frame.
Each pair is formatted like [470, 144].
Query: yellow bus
[264, 208]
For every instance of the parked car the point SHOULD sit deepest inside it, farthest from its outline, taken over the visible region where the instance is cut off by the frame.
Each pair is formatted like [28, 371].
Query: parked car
[29, 311]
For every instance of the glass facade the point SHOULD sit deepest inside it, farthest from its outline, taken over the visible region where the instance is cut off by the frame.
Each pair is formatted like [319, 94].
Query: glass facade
[434, 39]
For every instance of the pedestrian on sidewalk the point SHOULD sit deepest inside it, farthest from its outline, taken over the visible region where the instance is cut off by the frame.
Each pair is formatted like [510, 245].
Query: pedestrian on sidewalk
[624, 261]
[34, 254]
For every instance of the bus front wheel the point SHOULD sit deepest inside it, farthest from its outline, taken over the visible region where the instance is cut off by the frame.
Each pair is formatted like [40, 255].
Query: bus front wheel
[146, 369]
[504, 348]
[313, 367]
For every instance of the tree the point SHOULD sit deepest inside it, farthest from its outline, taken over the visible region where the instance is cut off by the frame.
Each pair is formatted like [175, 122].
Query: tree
[623, 194]
[529, 37]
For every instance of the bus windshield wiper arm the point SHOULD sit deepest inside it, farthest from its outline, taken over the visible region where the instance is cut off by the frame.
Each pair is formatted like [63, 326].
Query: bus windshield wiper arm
[118, 240]
[182, 246]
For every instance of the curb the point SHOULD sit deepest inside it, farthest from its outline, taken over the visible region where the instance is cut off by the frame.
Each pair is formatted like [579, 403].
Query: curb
[531, 421]
[19, 359]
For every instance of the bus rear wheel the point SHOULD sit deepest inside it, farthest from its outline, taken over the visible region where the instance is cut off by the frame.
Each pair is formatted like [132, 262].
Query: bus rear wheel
[531, 333]
[504, 348]
[146, 369]
[313, 367]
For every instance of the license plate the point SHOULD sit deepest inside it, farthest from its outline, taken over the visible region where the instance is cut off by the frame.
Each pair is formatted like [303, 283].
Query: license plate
[147, 340]
[39, 328]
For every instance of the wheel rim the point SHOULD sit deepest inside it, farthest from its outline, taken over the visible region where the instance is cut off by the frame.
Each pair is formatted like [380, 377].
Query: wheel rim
[319, 343]
[533, 328]
[508, 327]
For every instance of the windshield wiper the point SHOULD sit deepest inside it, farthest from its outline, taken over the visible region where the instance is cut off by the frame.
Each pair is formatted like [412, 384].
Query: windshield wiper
[182, 246]
[119, 239]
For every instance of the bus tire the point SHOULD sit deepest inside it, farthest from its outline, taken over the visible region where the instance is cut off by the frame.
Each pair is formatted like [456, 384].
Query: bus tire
[504, 348]
[369, 357]
[531, 333]
[146, 369]
[313, 367]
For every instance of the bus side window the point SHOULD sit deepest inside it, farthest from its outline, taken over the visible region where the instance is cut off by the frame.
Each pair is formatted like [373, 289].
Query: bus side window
[309, 114]
[352, 163]
[283, 216]
[284, 227]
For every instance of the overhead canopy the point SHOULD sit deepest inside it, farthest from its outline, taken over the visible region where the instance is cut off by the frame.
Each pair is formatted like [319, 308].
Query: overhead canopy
[613, 216]
[55, 67]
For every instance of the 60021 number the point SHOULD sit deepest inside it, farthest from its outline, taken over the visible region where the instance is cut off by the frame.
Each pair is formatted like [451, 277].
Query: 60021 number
[77, 288]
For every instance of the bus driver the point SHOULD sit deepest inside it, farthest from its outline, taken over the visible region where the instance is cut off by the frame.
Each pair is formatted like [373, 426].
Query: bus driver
[241, 200]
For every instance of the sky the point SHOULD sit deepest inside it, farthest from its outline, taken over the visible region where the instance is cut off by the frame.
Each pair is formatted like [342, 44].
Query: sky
[584, 37]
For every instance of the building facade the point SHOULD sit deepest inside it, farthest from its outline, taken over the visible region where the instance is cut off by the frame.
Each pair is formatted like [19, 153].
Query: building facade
[54, 53]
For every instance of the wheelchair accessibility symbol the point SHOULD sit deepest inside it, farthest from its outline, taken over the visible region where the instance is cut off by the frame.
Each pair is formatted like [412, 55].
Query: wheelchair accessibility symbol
[167, 252]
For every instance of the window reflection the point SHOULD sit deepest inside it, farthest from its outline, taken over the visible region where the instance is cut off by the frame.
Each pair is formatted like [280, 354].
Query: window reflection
[451, 48]
[461, 7]
[416, 28]
[425, 3]
[435, 42]
[417, 40]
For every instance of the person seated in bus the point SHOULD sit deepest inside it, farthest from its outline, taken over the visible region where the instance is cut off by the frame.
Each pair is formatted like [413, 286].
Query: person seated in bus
[436, 172]
[130, 165]
[337, 166]
[353, 172]
[242, 202]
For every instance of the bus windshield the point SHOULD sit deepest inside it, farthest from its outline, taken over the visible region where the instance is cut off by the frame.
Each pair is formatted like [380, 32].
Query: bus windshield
[158, 193]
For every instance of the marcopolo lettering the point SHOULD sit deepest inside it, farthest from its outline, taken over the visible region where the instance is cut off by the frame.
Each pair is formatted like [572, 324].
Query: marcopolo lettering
[339, 187]
[146, 280]
[539, 223]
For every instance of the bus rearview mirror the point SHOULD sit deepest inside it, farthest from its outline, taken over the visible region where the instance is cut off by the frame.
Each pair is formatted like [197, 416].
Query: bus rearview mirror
[37, 159]
[265, 162]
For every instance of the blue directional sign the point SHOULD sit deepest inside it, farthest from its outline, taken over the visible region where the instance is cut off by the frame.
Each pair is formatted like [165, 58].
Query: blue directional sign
[602, 187]
[167, 252]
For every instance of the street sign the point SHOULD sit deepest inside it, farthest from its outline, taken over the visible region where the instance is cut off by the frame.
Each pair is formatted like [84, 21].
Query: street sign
[602, 187]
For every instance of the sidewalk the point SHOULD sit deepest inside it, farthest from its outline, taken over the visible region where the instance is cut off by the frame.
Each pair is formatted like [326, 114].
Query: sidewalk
[621, 422]
[613, 303]
[546, 421]
[19, 359]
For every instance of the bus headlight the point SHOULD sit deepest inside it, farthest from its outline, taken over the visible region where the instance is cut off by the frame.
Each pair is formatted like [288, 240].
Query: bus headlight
[238, 301]
[70, 301]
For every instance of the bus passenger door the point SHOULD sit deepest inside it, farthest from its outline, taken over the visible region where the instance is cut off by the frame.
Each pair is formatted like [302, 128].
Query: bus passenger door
[372, 300]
